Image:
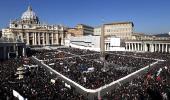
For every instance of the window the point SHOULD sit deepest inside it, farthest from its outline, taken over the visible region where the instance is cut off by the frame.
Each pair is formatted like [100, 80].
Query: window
[16, 25]
[30, 26]
[108, 30]
[19, 37]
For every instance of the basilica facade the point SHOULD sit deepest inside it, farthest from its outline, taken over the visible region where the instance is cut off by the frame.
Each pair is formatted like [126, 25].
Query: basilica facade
[30, 30]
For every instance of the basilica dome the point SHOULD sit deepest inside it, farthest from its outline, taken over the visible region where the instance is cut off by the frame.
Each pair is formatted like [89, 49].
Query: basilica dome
[29, 14]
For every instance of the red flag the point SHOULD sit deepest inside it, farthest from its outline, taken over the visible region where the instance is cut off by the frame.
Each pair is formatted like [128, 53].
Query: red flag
[158, 78]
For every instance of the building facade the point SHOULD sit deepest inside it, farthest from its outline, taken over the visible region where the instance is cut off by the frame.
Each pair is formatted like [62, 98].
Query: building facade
[11, 48]
[81, 30]
[148, 43]
[75, 32]
[85, 29]
[123, 30]
[93, 43]
[30, 30]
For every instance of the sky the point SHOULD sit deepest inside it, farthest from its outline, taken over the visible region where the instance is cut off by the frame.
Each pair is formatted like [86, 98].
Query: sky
[148, 16]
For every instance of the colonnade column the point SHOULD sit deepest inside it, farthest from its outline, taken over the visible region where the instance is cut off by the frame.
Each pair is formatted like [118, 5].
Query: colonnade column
[141, 46]
[62, 38]
[129, 46]
[135, 46]
[57, 38]
[39, 38]
[132, 47]
[105, 46]
[166, 48]
[138, 46]
[155, 47]
[43, 36]
[47, 39]
[159, 47]
[151, 48]
[126, 47]
[35, 38]
[145, 47]
[52, 39]
[162, 47]
[27, 35]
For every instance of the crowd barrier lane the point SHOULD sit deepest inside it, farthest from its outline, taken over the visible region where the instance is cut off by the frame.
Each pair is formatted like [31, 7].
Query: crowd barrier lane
[123, 80]
[67, 80]
[104, 89]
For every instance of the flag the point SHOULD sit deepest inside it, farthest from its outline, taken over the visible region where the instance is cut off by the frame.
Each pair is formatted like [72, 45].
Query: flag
[17, 95]
[159, 71]
[158, 78]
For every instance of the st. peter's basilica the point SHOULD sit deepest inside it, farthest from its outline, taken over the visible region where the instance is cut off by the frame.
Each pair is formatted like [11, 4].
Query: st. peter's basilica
[30, 30]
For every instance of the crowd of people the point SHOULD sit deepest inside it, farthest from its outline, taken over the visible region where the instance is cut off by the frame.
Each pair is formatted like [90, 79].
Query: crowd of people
[154, 85]
[35, 85]
[84, 66]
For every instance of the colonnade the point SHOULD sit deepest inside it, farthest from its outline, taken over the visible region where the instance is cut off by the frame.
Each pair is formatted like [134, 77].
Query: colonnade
[39, 38]
[7, 48]
[147, 47]
[107, 46]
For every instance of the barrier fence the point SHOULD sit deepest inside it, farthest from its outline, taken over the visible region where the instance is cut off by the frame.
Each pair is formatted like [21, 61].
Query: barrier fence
[95, 93]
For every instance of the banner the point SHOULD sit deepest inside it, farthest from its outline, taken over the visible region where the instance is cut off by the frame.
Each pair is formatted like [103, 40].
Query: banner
[17, 95]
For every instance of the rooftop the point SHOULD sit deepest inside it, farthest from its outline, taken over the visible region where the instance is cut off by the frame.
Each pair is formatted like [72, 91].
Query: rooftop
[128, 22]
